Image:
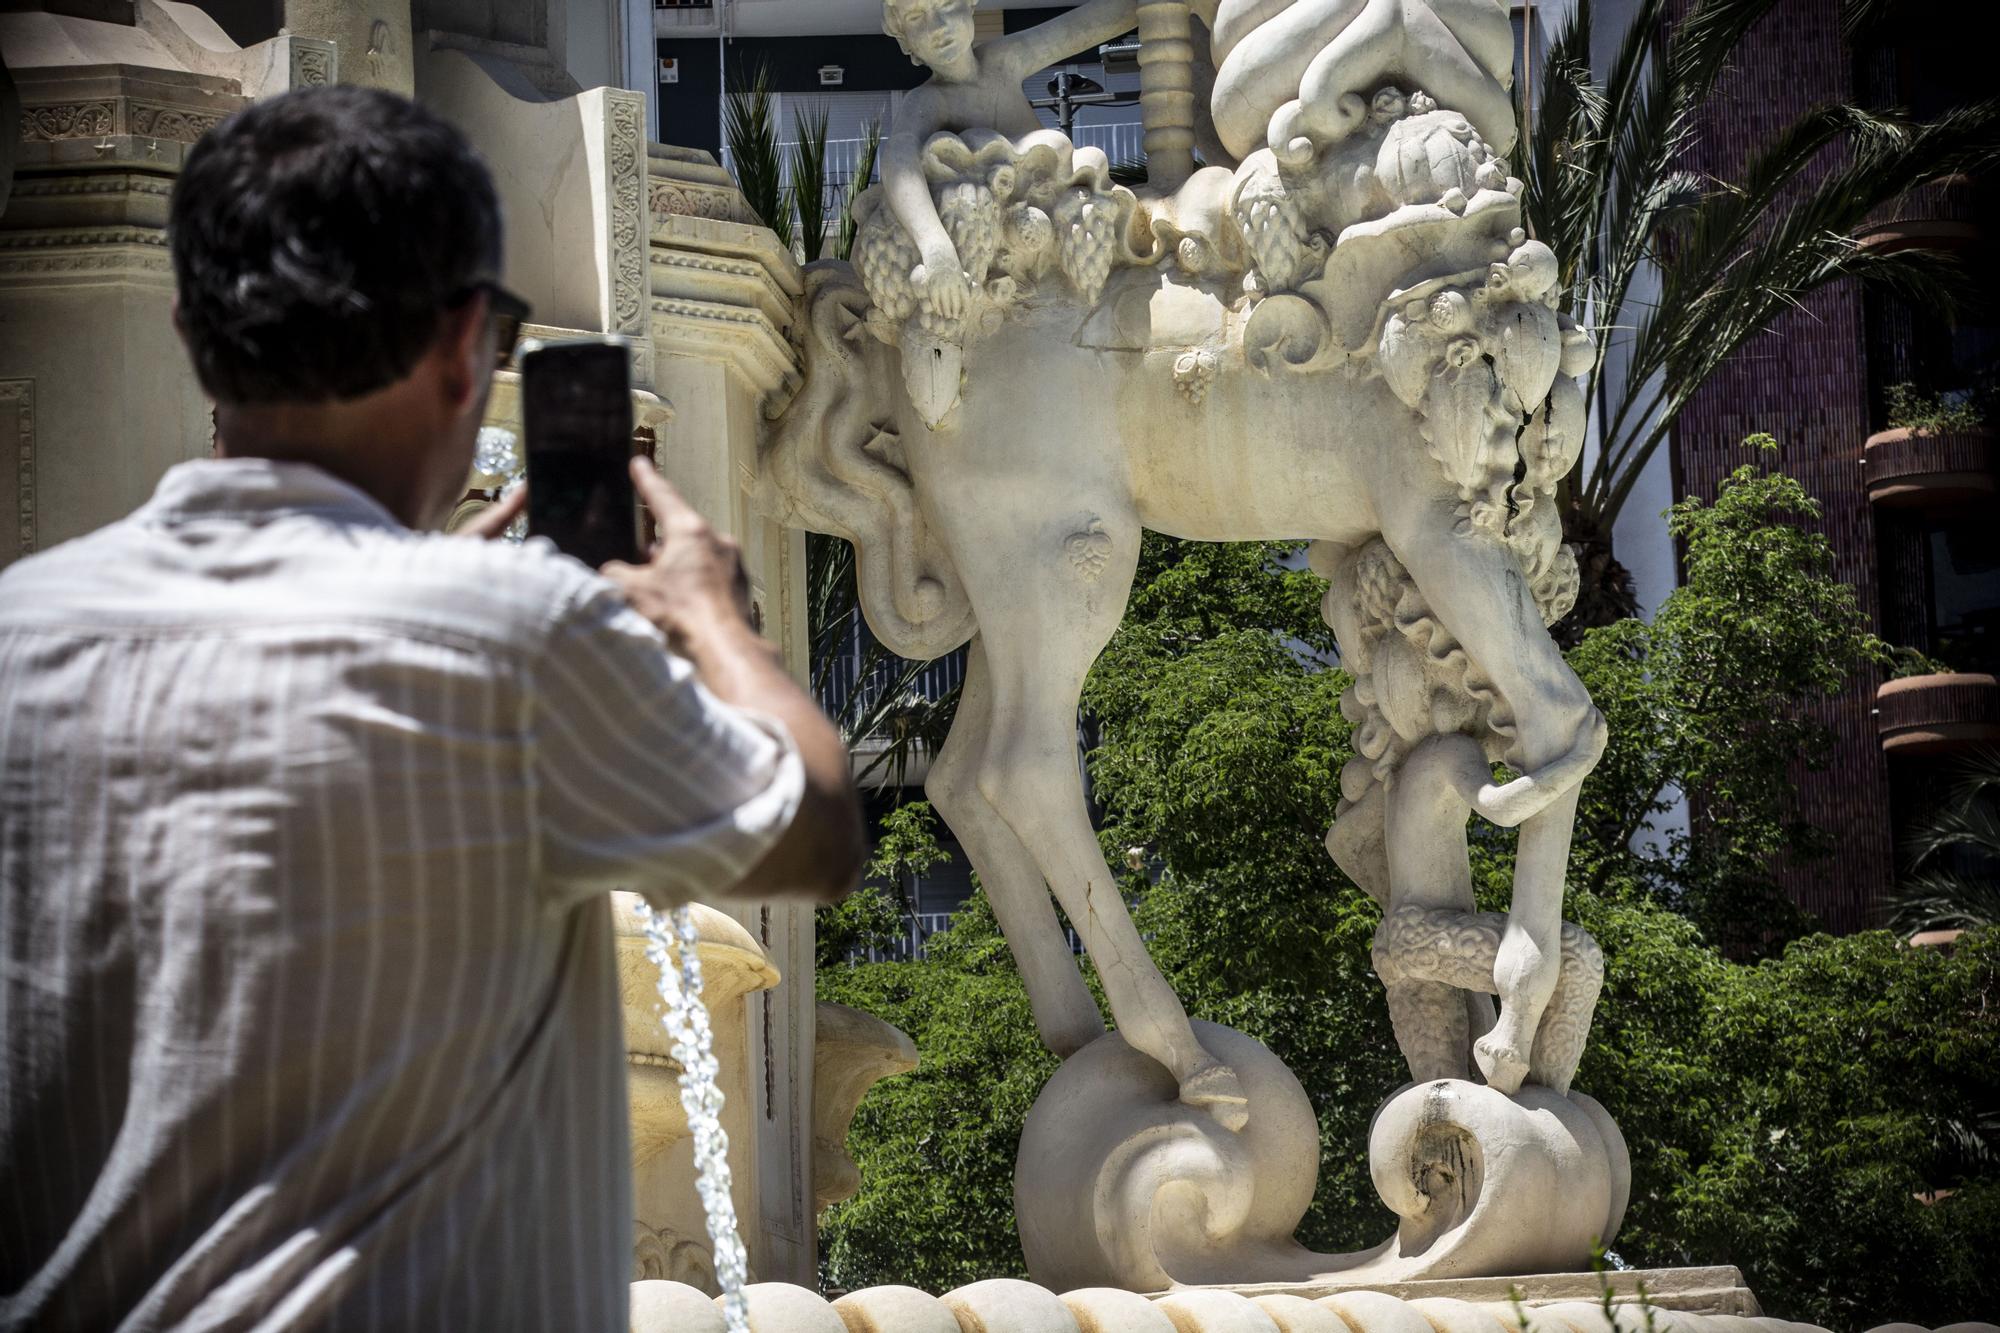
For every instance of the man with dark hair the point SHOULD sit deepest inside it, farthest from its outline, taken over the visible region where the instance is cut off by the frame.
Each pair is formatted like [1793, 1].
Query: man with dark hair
[307, 814]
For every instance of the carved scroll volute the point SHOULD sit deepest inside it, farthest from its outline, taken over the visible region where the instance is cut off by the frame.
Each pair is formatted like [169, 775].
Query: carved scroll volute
[852, 1053]
[732, 966]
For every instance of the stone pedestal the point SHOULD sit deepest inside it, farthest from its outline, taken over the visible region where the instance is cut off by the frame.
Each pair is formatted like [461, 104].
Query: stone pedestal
[96, 396]
[1120, 1183]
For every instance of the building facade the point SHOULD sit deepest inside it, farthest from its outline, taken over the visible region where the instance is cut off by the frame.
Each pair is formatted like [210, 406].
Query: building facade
[1911, 516]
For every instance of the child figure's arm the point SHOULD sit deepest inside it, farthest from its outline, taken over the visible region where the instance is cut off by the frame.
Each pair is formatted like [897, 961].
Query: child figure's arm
[940, 275]
[1062, 37]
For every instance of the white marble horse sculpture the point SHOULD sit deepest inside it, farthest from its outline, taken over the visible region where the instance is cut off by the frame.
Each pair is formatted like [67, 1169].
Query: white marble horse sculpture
[1345, 336]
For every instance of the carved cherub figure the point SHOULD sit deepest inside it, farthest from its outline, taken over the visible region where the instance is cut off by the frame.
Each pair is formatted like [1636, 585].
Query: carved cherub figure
[972, 87]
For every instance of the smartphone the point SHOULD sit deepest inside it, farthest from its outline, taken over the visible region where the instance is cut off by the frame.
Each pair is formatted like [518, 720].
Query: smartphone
[576, 416]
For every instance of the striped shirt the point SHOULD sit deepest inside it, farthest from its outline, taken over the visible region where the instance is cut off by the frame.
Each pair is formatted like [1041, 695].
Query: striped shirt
[307, 976]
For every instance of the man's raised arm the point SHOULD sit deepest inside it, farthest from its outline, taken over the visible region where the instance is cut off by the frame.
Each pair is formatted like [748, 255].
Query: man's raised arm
[692, 590]
[1062, 37]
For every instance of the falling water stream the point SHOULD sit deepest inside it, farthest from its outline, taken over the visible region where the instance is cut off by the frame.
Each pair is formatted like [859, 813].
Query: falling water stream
[671, 947]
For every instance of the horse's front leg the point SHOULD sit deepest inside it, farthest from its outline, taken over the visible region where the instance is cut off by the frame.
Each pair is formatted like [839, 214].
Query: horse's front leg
[1475, 587]
[1065, 1014]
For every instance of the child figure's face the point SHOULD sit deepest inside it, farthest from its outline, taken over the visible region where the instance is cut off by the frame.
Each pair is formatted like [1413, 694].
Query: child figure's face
[937, 32]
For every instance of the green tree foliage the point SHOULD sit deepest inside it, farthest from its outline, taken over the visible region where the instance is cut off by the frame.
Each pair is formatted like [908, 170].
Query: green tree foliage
[1220, 753]
[1850, 1170]
[1783, 1116]
[1705, 706]
[872, 916]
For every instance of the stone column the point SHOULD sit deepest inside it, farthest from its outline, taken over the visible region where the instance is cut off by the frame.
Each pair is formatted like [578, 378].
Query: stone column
[722, 295]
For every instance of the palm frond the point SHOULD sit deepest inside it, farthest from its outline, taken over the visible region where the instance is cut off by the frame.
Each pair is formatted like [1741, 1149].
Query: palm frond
[1954, 854]
[1944, 900]
[1755, 248]
[750, 129]
[1967, 820]
[1609, 191]
[864, 171]
[883, 712]
[1858, 18]
[809, 179]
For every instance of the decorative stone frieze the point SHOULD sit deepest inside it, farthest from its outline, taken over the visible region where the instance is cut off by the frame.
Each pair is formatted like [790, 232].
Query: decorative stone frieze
[67, 120]
[686, 182]
[625, 113]
[102, 117]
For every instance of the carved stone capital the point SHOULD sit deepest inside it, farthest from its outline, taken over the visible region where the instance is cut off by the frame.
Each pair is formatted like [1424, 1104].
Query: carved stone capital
[725, 291]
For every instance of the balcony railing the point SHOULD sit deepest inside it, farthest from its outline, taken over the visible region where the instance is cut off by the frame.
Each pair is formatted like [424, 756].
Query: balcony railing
[847, 681]
[1943, 215]
[913, 944]
[1908, 468]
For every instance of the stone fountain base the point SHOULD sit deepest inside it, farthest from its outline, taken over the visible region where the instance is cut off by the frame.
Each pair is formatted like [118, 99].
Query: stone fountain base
[1677, 1300]
[1717, 1290]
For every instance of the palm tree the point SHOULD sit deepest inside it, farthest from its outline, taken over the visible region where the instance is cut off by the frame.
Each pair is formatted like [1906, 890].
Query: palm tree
[879, 707]
[787, 190]
[1608, 191]
[1953, 880]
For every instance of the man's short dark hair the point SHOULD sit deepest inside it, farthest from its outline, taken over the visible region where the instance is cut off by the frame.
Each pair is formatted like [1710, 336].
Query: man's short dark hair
[318, 239]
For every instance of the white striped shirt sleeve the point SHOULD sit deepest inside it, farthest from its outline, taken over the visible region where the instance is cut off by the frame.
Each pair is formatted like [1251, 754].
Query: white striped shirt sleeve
[644, 779]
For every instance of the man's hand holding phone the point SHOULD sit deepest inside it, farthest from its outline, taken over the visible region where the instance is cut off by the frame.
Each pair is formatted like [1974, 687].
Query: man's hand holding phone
[693, 585]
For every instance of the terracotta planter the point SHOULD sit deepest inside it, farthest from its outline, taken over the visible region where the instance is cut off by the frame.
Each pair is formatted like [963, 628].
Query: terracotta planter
[1912, 470]
[1921, 715]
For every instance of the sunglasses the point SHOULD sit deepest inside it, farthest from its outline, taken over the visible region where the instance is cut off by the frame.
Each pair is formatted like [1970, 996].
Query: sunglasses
[507, 311]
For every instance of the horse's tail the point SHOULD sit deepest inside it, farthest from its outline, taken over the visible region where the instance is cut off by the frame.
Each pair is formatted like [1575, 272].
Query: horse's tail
[831, 461]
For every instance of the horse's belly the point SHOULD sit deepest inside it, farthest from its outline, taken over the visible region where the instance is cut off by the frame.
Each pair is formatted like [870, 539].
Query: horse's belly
[1253, 459]
[1218, 453]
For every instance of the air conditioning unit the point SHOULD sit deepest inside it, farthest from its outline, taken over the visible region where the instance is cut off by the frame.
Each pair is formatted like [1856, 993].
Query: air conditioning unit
[1121, 56]
[831, 76]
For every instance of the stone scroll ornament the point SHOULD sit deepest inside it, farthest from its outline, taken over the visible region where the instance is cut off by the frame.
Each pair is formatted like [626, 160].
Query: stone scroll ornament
[1335, 329]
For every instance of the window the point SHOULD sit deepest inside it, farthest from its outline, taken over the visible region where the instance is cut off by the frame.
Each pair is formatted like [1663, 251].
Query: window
[1964, 559]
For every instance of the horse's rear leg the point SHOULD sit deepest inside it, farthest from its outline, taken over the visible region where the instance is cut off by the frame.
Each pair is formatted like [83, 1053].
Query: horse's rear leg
[1477, 590]
[1065, 1014]
[1530, 959]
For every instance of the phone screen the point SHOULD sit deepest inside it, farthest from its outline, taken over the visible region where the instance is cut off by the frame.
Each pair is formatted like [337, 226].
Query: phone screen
[576, 412]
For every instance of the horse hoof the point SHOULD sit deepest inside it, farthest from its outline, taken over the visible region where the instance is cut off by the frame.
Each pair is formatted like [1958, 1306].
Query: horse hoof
[1504, 1066]
[1215, 1089]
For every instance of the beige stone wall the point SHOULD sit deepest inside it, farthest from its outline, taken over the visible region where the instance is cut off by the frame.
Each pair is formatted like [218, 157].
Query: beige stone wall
[76, 456]
[373, 36]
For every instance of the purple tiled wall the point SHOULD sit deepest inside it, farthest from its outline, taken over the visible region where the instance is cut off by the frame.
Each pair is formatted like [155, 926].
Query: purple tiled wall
[1806, 382]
